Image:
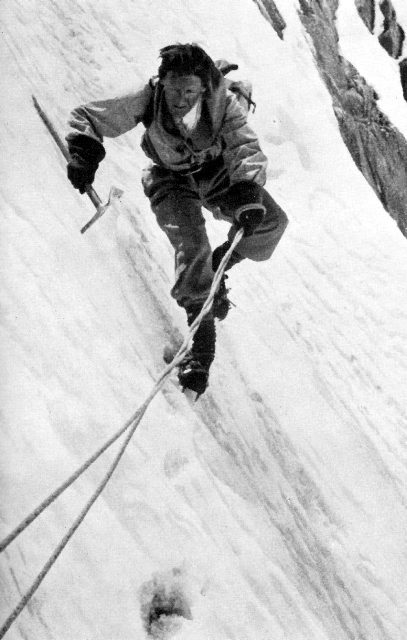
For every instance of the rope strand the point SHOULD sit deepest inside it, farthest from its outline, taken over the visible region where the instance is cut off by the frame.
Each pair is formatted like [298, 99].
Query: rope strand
[132, 423]
[53, 496]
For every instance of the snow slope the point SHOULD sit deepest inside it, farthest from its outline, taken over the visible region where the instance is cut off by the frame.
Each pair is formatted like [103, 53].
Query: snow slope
[276, 506]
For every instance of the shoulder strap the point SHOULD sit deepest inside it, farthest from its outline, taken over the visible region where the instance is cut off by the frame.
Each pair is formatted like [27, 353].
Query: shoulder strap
[148, 116]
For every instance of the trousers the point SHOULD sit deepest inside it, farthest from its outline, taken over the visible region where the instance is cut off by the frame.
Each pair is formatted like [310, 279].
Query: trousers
[177, 202]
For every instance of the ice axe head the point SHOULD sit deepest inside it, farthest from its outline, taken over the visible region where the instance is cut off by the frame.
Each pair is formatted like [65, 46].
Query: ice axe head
[114, 194]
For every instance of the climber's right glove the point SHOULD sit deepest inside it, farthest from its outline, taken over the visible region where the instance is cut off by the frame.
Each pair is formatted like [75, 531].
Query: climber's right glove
[85, 155]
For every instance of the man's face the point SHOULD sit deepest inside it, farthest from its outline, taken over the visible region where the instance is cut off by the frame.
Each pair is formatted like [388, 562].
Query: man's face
[181, 93]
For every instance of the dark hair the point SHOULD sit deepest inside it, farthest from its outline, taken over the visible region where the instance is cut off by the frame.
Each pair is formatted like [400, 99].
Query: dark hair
[189, 59]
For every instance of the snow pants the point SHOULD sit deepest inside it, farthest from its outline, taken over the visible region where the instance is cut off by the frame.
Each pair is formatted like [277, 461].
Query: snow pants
[177, 199]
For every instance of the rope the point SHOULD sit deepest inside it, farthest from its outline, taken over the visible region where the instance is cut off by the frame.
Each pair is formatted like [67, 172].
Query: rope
[131, 424]
[53, 496]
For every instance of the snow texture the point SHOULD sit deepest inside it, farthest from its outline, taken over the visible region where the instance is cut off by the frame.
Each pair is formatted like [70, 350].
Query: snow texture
[275, 507]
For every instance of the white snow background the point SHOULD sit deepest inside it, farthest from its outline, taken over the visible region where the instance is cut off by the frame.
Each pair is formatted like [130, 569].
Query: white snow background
[276, 505]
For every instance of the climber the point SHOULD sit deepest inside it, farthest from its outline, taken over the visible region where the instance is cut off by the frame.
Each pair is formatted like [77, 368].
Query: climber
[202, 153]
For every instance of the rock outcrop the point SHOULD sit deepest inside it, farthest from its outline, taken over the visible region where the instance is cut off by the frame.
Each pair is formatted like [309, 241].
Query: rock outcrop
[392, 36]
[403, 77]
[269, 10]
[367, 11]
[377, 147]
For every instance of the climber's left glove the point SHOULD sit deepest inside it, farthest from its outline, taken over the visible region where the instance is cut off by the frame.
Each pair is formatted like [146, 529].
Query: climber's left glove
[249, 217]
[246, 199]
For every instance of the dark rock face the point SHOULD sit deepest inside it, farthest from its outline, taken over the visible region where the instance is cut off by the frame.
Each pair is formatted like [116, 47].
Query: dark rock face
[366, 9]
[403, 77]
[378, 149]
[269, 10]
[392, 37]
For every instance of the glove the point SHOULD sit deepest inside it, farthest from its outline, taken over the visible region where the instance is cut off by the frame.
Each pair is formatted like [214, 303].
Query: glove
[246, 199]
[86, 153]
[249, 217]
[80, 173]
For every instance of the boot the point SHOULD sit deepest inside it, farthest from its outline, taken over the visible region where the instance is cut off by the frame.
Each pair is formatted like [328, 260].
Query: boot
[221, 302]
[193, 372]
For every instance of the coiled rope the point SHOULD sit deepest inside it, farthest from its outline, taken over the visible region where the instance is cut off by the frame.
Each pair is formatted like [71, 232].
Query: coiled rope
[132, 425]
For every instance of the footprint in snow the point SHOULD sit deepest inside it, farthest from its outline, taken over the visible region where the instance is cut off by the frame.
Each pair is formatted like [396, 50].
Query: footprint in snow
[164, 604]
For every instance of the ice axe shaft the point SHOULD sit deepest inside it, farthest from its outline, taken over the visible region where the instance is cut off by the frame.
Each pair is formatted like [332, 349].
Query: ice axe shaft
[115, 193]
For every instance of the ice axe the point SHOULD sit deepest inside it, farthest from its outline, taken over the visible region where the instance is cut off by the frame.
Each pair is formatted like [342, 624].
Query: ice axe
[114, 193]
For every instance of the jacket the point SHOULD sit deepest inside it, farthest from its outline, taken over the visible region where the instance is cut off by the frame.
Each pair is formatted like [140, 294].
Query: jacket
[221, 130]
